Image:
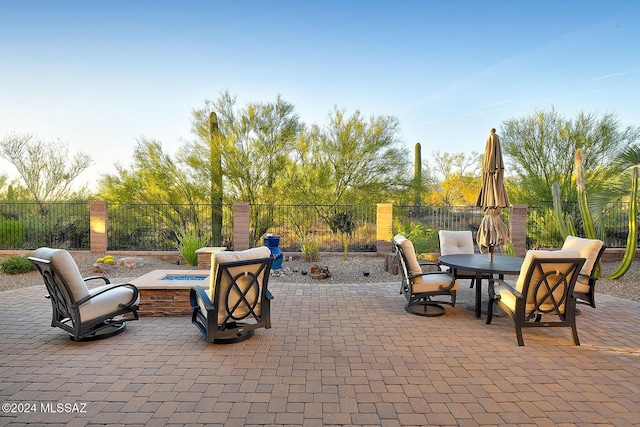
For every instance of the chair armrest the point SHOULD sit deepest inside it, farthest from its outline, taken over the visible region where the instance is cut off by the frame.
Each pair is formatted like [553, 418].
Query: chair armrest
[200, 294]
[440, 272]
[505, 284]
[103, 278]
[133, 299]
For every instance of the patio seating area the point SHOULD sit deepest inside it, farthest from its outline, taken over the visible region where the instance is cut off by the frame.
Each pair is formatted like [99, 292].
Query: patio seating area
[335, 355]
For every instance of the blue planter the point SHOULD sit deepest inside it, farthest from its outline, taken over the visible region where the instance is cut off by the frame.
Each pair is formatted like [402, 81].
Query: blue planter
[273, 243]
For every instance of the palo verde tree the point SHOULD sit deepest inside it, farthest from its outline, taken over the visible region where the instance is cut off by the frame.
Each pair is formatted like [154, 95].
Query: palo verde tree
[47, 170]
[254, 143]
[540, 151]
[453, 179]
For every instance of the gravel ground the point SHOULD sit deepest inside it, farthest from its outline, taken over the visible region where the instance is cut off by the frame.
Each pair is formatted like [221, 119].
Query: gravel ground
[347, 272]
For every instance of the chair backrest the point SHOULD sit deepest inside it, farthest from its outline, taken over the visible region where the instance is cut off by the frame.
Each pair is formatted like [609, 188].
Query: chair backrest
[408, 260]
[590, 249]
[64, 265]
[239, 282]
[455, 242]
[547, 279]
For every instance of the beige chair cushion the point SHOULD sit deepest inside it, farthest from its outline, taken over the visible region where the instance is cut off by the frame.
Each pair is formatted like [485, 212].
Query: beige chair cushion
[106, 303]
[410, 254]
[426, 283]
[433, 282]
[67, 268]
[455, 242]
[509, 299]
[589, 249]
[231, 256]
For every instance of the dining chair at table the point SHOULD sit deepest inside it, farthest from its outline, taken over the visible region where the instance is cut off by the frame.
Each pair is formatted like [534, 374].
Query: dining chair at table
[458, 243]
[422, 281]
[543, 293]
[592, 250]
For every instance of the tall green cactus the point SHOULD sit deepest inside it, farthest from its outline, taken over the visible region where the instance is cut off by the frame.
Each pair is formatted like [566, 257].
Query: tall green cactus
[632, 239]
[583, 200]
[565, 224]
[417, 175]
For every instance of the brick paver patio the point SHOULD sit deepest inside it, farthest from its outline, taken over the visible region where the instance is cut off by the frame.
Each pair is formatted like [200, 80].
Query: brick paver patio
[336, 355]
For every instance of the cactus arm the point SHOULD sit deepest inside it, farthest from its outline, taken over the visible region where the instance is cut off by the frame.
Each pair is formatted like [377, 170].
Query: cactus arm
[583, 200]
[565, 226]
[630, 252]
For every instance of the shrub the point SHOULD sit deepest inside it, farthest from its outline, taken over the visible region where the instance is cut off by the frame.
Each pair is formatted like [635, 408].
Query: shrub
[189, 243]
[310, 249]
[17, 264]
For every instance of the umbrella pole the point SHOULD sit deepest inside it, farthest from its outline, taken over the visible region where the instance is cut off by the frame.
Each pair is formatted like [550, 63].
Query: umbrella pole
[491, 248]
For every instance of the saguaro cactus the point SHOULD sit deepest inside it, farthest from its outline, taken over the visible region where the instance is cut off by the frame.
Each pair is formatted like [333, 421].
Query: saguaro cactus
[417, 175]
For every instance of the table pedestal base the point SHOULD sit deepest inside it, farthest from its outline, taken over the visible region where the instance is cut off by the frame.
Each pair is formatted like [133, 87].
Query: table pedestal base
[497, 311]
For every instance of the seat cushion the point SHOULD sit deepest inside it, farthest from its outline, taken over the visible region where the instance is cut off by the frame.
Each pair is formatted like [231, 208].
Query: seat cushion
[105, 303]
[409, 253]
[455, 242]
[432, 282]
[588, 249]
[231, 256]
[507, 298]
[67, 268]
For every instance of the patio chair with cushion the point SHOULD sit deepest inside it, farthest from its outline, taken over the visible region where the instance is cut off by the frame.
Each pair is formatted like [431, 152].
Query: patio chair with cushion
[238, 301]
[86, 314]
[543, 294]
[423, 280]
[591, 250]
[458, 242]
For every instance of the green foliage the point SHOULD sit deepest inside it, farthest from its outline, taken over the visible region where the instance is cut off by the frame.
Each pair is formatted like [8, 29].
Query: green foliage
[189, 242]
[11, 234]
[46, 169]
[310, 249]
[425, 240]
[541, 146]
[343, 223]
[16, 264]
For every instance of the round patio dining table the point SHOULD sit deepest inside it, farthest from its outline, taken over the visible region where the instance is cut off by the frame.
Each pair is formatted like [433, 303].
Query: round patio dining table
[482, 266]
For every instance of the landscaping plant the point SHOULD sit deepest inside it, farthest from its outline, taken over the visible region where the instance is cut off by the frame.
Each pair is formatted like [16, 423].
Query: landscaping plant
[17, 264]
[189, 242]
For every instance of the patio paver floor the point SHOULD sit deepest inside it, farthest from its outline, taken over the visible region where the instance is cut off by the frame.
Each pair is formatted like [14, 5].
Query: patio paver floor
[336, 355]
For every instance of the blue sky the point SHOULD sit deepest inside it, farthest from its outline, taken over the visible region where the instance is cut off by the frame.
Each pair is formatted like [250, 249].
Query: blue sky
[99, 75]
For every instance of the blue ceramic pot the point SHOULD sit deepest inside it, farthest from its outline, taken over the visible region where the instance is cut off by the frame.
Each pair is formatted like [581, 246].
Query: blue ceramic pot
[273, 243]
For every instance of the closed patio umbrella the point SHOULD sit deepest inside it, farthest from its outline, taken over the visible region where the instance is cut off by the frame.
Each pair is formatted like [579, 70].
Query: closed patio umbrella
[492, 198]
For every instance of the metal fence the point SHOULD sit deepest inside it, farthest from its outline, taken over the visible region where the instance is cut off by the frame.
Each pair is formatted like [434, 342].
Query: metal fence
[294, 223]
[542, 229]
[155, 227]
[428, 220]
[32, 225]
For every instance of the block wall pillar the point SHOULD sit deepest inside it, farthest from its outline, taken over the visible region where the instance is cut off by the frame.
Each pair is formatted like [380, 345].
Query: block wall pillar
[240, 226]
[98, 224]
[384, 228]
[518, 229]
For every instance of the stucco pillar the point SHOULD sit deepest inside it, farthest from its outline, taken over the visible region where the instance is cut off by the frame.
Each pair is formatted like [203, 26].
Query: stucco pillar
[98, 223]
[240, 226]
[384, 228]
[518, 226]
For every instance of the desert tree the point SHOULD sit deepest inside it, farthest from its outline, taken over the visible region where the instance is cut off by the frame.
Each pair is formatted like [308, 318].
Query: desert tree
[46, 169]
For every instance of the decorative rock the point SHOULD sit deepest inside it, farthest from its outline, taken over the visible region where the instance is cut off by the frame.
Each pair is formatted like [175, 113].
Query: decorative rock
[101, 268]
[366, 272]
[304, 272]
[131, 262]
[320, 272]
